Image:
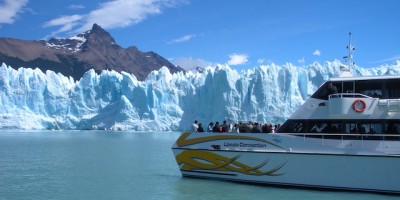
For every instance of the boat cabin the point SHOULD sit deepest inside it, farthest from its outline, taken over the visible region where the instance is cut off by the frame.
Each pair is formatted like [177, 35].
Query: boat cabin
[351, 105]
[381, 87]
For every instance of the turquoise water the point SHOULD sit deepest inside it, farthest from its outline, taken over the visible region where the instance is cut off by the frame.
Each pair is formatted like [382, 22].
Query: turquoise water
[119, 165]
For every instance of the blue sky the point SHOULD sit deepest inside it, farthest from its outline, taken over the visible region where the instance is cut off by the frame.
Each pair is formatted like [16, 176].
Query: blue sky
[242, 33]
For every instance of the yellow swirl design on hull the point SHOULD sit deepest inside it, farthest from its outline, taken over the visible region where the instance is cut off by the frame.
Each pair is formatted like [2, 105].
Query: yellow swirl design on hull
[192, 160]
[184, 141]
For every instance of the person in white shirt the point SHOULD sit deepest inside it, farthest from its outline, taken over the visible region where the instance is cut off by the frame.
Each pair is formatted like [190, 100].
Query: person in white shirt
[195, 126]
[210, 127]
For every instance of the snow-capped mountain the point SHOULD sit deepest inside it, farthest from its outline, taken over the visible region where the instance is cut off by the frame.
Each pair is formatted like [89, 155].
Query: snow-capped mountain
[31, 99]
[94, 49]
[69, 45]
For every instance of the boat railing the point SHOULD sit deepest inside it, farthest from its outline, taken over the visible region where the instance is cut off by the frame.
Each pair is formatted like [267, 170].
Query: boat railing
[350, 136]
[392, 105]
[348, 95]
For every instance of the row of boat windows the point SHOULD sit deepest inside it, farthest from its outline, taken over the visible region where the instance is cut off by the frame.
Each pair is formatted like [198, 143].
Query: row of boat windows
[386, 89]
[338, 126]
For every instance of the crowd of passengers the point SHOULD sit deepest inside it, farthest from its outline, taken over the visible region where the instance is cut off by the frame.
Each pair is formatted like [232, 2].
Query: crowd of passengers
[241, 127]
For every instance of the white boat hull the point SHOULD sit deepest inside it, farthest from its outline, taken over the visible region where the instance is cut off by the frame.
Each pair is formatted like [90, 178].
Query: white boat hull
[272, 159]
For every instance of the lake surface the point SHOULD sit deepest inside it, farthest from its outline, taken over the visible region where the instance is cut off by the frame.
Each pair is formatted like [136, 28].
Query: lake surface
[119, 165]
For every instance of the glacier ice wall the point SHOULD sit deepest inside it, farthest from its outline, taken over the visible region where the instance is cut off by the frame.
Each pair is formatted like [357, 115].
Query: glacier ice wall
[31, 99]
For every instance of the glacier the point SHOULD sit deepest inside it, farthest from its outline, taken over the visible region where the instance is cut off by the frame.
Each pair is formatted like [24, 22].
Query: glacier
[32, 99]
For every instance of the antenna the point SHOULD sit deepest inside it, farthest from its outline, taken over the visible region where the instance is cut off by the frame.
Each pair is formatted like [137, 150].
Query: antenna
[345, 70]
[351, 49]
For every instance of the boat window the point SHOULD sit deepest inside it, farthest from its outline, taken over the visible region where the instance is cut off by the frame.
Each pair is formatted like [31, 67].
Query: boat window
[354, 128]
[363, 127]
[372, 88]
[338, 126]
[321, 93]
[393, 89]
[348, 87]
[388, 89]
[392, 128]
[374, 128]
[333, 128]
[292, 126]
[327, 89]
[324, 127]
[317, 127]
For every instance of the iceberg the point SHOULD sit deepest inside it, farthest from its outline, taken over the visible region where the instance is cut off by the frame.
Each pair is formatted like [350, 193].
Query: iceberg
[32, 99]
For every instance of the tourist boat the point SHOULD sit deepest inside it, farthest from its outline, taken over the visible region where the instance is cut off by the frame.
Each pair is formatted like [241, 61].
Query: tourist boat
[340, 139]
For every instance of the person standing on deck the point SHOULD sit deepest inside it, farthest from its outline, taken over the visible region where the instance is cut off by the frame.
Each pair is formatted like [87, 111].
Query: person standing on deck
[195, 126]
[210, 127]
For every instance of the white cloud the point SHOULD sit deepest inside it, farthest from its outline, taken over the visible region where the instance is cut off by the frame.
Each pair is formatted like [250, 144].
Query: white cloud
[64, 20]
[301, 61]
[182, 39]
[10, 9]
[67, 23]
[190, 64]
[113, 14]
[237, 59]
[260, 61]
[316, 53]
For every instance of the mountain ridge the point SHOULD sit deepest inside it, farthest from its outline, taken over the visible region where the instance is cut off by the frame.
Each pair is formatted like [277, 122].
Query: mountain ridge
[94, 49]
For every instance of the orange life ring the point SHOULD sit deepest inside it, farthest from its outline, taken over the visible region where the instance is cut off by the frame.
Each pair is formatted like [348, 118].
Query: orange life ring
[359, 105]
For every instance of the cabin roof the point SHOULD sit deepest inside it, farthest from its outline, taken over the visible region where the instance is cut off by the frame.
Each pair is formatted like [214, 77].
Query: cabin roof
[360, 78]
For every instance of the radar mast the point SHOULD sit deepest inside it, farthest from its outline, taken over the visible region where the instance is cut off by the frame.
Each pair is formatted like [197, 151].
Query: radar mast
[350, 49]
[345, 70]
